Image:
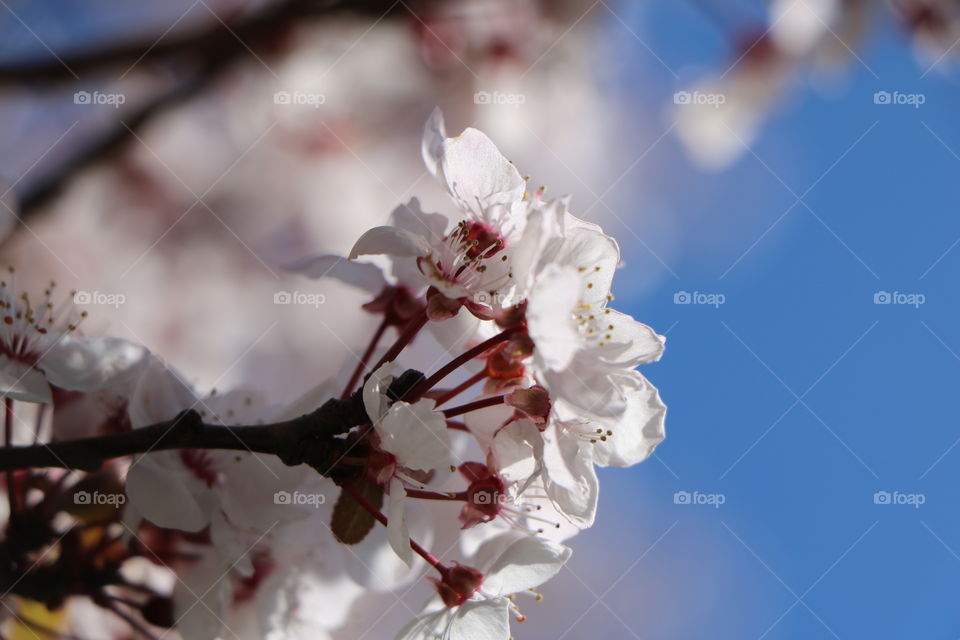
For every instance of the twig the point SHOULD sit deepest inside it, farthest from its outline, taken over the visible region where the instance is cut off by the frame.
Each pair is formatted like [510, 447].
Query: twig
[310, 439]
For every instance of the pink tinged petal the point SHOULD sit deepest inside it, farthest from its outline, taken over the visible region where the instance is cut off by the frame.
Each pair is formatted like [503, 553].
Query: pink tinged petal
[89, 364]
[526, 564]
[390, 241]
[361, 275]
[375, 391]
[397, 533]
[550, 320]
[19, 381]
[477, 174]
[481, 620]
[626, 342]
[164, 497]
[638, 432]
[416, 434]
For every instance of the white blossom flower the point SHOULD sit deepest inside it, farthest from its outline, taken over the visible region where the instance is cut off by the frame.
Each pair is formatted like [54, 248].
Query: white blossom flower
[470, 261]
[191, 489]
[416, 435]
[475, 602]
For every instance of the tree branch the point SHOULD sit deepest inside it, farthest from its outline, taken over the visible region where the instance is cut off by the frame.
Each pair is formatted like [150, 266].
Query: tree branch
[311, 439]
[220, 36]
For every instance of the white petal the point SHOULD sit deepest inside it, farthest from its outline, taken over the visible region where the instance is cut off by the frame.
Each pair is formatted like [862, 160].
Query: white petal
[431, 226]
[426, 626]
[375, 390]
[20, 381]
[571, 481]
[477, 175]
[525, 564]
[397, 532]
[362, 275]
[416, 434]
[390, 241]
[516, 449]
[550, 319]
[630, 343]
[434, 133]
[481, 620]
[160, 395]
[589, 387]
[89, 364]
[595, 256]
[163, 497]
[638, 432]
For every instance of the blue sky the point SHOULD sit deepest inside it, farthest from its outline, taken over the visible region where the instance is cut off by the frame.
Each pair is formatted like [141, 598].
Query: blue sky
[798, 398]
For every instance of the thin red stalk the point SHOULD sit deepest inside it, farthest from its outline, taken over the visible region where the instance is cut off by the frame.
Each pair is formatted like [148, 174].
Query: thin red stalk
[431, 495]
[461, 360]
[406, 337]
[368, 506]
[457, 426]
[364, 359]
[463, 386]
[483, 403]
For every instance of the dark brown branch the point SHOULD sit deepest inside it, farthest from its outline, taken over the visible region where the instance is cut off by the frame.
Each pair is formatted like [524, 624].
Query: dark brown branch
[212, 51]
[252, 29]
[310, 439]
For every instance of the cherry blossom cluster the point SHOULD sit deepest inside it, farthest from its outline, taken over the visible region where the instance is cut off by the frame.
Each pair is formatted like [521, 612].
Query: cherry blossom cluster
[476, 470]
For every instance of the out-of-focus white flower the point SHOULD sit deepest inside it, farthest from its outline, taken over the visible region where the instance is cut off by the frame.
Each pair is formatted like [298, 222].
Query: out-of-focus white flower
[192, 489]
[38, 350]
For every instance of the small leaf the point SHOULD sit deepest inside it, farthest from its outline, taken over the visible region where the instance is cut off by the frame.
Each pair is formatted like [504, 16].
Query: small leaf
[351, 522]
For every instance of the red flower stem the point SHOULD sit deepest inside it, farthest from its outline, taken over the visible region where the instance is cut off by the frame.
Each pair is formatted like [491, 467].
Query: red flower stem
[406, 337]
[460, 360]
[372, 510]
[457, 426]
[365, 359]
[483, 403]
[463, 386]
[431, 495]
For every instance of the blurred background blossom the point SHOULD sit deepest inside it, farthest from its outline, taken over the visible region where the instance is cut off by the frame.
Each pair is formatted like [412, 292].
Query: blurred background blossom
[781, 176]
